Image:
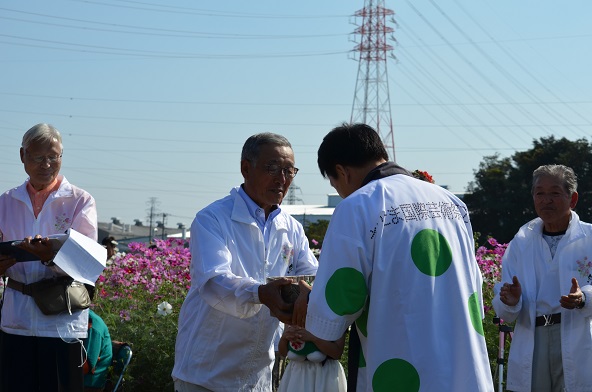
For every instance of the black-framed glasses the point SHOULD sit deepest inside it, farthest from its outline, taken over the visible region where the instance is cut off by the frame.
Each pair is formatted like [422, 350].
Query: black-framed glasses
[39, 159]
[275, 170]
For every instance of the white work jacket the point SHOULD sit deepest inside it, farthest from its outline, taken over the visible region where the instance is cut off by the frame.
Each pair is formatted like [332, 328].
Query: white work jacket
[68, 207]
[528, 247]
[225, 337]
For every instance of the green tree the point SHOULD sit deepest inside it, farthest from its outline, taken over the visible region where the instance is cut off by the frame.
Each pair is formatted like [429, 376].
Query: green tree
[499, 198]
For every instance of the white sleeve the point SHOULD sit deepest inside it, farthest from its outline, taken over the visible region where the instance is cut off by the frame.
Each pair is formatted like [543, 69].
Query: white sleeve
[503, 311]
[211, 271]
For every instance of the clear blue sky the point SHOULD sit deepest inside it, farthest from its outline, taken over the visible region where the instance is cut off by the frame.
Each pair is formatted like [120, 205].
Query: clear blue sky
[155, 98]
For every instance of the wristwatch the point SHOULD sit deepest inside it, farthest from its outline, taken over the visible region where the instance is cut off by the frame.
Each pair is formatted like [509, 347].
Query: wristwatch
[48, 263]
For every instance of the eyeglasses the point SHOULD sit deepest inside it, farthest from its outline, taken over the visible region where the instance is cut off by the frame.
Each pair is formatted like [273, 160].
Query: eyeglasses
[41, 159]
[275, 170]
[549, 195]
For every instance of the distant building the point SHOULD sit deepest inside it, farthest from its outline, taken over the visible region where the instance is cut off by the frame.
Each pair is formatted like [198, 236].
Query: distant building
[137, 232]
[307, 214]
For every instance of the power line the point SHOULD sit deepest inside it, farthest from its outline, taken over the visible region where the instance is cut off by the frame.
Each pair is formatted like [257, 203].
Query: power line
[127, 52]
[151, 30]
[508, 75]
[196, 11]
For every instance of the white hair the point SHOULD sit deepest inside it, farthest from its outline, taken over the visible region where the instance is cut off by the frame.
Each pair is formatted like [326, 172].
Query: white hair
[43, 133]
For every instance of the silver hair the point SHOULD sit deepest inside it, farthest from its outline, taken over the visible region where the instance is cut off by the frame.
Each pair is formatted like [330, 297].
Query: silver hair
[561, 172]
[43, 133]
[253, 145]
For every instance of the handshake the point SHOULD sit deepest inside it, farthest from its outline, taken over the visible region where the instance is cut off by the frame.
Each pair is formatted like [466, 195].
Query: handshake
[290, 292]
[287, 297]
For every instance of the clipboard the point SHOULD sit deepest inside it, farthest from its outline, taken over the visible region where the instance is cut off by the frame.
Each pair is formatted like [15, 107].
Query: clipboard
[9, 248]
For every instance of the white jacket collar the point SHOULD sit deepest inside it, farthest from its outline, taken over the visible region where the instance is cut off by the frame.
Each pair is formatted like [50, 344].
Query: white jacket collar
[574, 230]
[240, 212]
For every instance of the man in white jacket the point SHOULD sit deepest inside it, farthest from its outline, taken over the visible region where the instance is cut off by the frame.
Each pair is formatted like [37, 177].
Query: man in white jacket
[226, 328]
[542, 270]
[398, 260]
[41, 352]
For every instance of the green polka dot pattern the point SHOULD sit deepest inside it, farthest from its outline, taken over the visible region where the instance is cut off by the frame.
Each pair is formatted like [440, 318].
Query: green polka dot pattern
[475, 313]
[346, 291]
[431, 253]
[395, 375]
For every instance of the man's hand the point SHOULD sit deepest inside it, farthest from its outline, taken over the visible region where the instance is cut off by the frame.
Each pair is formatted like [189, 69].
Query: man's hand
[301, 304]
[510, 292]
[39, 246]
[270, 296]
[575, 298]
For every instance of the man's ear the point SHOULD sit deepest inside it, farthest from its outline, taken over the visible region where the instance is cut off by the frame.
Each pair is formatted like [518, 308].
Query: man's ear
[245, 168]
[343, 172]
[574, 200]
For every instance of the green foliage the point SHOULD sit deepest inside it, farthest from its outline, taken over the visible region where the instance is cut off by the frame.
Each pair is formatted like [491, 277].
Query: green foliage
[489, 258]
[316, 231]
[135, 289]
[133, 298]
[499, 198]
[152, 338]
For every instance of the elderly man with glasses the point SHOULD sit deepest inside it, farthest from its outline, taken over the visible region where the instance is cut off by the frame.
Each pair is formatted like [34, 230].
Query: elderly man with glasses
[546, 288]
[39, 351]
[226, 328]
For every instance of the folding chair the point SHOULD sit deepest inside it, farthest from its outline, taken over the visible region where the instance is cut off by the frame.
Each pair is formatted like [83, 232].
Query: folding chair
[122, 355]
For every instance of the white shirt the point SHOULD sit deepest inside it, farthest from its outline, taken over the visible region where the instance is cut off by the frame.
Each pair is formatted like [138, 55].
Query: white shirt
[547, 278]
[68, 207]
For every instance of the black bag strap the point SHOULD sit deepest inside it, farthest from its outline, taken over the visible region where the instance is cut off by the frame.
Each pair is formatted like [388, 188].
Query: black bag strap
[18, 286]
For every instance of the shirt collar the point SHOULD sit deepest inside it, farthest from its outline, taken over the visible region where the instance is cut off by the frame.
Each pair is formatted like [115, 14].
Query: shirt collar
[55, 184]
[38, 198]
[255, 211]
[384, 170]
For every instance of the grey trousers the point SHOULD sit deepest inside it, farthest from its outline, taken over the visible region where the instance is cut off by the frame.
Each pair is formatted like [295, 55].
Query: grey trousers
[547, 364]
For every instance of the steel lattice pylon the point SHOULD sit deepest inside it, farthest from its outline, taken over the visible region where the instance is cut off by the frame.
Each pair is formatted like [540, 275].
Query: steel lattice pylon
[372, 104]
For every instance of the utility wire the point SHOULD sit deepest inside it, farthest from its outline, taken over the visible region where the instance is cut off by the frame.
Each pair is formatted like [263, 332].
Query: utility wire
[151, 30]
[196, 11]
[460, 80]
[514, 81]
[475, 69]
[529, 73]
[96, 49]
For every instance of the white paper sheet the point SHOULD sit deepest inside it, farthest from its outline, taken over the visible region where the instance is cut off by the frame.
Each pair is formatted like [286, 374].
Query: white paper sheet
[81, 257]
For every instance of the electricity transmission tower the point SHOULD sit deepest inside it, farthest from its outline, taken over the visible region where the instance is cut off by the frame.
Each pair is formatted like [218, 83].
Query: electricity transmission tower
[152, 211]
[291, 197]
[372, 103]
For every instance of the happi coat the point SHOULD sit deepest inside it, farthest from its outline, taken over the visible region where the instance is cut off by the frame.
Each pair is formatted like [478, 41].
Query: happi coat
[398, 259]
[225, 338]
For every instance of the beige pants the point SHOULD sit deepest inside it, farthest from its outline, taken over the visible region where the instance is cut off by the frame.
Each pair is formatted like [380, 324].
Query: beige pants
[547, 364]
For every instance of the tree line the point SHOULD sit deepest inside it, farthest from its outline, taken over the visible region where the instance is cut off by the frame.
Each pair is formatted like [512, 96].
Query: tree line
[499, 197]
